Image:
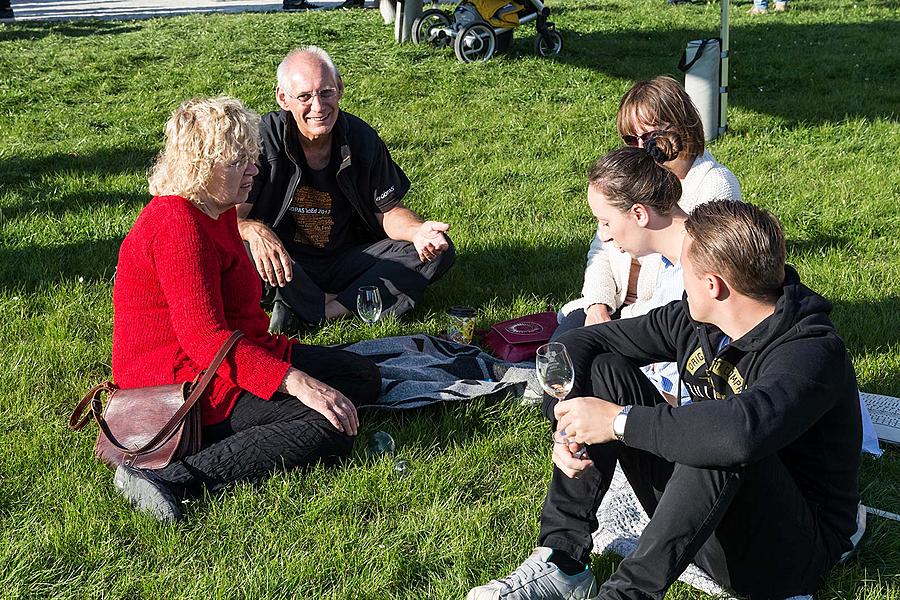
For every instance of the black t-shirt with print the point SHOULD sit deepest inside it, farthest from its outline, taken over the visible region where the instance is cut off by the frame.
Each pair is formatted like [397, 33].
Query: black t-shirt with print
[317, 221]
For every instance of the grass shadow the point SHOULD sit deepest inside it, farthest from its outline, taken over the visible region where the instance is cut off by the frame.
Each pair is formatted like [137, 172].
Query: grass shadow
[801, 73]
[19, 171]
[862, 325]
[506, 271]
[37, 180]
[57, 204]
[436, 427]
[28, 30]
[35, 268]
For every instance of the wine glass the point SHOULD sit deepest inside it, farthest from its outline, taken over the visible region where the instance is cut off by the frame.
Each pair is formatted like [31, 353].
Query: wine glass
[557, 375]
[555, 370]
[368, 304]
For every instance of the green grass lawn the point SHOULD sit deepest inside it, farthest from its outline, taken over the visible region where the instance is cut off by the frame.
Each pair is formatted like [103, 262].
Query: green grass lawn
[500, 151]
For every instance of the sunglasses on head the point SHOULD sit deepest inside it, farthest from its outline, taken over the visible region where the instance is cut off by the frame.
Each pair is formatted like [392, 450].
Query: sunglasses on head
[632, 140]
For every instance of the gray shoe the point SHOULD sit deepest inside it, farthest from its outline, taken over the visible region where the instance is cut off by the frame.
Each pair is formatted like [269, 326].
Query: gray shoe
[147, 493]
[537, 579]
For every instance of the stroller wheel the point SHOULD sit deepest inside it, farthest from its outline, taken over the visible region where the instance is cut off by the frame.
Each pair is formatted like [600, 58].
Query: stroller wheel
[428, 28]
[548, 43]
[475, 41]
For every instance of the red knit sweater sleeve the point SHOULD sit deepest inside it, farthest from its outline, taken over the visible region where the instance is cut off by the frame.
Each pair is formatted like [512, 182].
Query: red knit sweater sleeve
[188, 264]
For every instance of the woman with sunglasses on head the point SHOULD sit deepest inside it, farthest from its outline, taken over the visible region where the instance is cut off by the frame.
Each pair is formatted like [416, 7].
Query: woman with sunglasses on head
[615, 283]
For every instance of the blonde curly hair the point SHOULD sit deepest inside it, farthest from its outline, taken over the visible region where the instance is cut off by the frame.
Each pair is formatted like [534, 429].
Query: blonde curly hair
[201, 134]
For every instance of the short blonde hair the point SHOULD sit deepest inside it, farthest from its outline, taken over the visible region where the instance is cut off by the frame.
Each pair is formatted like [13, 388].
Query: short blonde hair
[200, 134]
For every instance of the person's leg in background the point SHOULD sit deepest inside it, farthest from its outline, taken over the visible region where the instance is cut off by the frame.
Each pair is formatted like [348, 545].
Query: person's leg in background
[760, 7]
[298, 305]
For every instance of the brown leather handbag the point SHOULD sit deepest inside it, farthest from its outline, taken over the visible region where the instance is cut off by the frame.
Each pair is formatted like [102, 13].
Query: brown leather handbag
[148, 427]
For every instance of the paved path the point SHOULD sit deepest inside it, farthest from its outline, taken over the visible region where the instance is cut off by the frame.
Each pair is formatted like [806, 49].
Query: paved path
[64, 10]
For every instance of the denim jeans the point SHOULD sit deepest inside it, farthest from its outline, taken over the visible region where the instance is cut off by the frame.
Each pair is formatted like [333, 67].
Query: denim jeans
[764, 4]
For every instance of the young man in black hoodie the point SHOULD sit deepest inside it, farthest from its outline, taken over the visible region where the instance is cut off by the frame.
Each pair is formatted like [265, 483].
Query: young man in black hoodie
[756, 479]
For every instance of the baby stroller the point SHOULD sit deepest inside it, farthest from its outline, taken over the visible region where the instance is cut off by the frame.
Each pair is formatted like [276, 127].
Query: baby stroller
[479, 28]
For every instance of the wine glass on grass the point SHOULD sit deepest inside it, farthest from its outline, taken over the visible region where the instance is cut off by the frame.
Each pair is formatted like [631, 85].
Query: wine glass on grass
[368, 304]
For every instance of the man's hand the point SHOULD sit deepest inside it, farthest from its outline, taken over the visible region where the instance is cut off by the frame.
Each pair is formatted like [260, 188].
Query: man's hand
[272, 260]
[586, 420]
[564, 458]
[596, 313]
[429, 240]
[323, 399]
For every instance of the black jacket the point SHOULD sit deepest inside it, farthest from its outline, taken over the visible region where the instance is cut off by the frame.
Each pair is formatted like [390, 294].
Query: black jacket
[368, 177]
[787, 387]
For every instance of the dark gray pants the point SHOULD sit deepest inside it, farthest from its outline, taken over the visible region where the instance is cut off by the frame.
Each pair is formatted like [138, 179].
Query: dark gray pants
[262, 436]
[392, 265]
[750, 528]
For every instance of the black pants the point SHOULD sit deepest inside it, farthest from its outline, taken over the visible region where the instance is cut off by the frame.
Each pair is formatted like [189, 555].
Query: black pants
[750, 528]
[573, 320]
[260, 437]
[392, 265]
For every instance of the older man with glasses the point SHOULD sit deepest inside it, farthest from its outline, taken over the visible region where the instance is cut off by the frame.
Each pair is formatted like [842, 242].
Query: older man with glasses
[325, 215]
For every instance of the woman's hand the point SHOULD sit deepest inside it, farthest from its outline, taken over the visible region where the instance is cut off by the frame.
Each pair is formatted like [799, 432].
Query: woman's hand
[323, 399]
[596, 313]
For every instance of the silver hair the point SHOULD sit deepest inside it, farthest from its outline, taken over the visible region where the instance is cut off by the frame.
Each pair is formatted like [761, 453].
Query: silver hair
[315, 51]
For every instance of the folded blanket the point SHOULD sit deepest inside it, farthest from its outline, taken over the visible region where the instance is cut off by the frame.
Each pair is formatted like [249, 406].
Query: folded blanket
[419, 370]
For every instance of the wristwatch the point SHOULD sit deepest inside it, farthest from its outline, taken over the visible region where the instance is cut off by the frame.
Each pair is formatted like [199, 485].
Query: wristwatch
[619, 423]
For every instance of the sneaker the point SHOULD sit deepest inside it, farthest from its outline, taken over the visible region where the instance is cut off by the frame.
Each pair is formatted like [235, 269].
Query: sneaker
[537, 579]
[757, 10]
[298, 5]
[6, 14]
[284, 320]
[780, 6]
[147, 493]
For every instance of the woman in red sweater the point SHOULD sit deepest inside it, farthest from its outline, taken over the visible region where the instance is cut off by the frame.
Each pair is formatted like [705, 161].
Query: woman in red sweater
[184, 283]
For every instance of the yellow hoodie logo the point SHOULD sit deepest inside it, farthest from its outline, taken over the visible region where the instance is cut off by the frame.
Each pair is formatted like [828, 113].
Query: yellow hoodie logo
[722, 369]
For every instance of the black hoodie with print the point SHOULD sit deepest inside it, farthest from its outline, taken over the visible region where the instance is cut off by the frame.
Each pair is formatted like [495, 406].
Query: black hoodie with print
[786, 387]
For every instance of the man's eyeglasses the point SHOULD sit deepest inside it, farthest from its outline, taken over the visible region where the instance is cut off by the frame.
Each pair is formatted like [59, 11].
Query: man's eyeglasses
[306, 98]
[633, 140]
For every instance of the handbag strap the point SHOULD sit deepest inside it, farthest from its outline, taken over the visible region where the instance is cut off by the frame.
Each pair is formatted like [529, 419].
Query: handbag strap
[685, 65]
[169, 428]
[77, 421]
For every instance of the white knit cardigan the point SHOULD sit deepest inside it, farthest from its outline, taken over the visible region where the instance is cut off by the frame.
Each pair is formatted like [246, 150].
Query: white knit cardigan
[606, 275]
